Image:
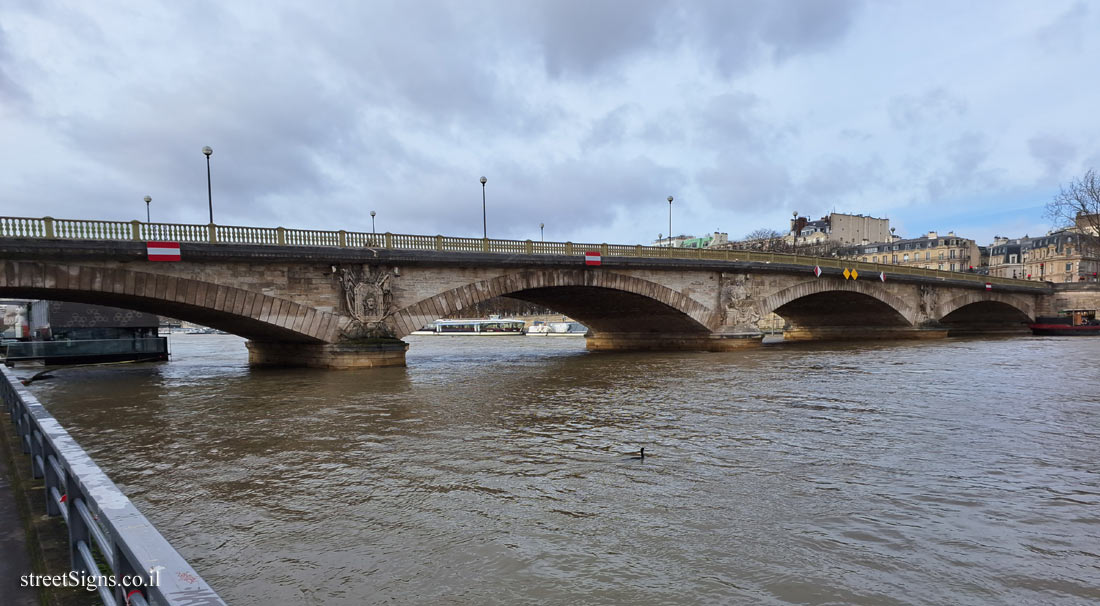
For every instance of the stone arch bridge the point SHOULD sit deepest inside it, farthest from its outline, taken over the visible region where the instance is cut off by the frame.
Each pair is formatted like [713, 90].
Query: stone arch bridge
[350, 307]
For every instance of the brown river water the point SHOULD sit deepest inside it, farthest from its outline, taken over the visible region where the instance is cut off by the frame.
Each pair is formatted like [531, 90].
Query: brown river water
[497, 471]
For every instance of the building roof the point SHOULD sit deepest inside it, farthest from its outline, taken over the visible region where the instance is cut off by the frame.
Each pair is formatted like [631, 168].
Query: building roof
[925, 241]
[1057, 239]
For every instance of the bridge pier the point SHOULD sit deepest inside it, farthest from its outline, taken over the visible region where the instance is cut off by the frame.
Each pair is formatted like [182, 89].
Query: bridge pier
[861, 333]
[969, 330]
[373, 353]
[647, 341]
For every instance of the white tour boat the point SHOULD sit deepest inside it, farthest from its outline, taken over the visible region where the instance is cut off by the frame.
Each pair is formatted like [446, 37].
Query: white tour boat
[557, 329]
[493, 327]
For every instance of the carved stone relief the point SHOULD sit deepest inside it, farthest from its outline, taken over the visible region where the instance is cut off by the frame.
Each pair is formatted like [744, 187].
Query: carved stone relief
[929, 301]
[741, 309]
[368, 300]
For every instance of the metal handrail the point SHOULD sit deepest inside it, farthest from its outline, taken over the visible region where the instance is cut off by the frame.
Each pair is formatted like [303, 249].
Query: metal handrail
[84, 229]
[99, 515]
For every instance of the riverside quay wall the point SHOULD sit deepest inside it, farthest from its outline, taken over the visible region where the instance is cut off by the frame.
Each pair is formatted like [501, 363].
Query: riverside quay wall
[1081, 295]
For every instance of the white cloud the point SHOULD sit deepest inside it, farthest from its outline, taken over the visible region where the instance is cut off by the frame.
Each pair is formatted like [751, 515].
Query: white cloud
[582, 115]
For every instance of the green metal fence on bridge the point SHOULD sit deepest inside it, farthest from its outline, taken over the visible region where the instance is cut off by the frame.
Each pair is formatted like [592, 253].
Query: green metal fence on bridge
[83, 229]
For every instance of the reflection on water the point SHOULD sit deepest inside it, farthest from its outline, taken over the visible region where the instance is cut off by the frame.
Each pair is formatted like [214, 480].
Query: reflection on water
[953, 472]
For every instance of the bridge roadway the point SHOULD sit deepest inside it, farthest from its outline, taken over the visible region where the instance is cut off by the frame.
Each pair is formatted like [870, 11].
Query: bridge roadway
[349, 306]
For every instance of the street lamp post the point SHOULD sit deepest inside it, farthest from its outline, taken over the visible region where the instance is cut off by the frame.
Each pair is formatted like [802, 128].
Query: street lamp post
[542, 234]
[484, 229]
[372, 226]
[670, 221]
[206, 151]
[147, 201]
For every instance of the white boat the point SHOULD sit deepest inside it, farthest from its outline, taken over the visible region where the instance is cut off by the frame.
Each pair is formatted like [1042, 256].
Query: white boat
[493, 327]
[202, 330]
[428, 329]
[557, 329]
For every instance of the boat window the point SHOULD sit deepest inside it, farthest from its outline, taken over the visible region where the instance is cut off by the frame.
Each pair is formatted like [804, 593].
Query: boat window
[457, 327]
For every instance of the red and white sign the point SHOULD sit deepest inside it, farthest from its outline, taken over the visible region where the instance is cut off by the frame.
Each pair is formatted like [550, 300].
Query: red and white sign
[591, 258]
[817, 271]
[882, 276]
[988, 286]
[163, 251]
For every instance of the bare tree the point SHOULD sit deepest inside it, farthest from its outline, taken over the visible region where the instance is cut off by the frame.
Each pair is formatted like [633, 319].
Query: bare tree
[763, 239]
[1077, 207]
[763, 234]
[824, 248]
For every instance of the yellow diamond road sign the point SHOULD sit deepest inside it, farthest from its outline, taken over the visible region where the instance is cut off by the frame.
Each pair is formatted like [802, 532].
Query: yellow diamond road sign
[855, 274]
[847, 274]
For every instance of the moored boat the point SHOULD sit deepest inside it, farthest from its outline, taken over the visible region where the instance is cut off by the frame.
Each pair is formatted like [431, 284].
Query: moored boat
[427, 329]
[1068, 323]
[557, 329]
[493, 327]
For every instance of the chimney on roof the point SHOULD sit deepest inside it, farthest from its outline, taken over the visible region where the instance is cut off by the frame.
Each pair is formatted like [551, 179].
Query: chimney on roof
[932, 234]
[951, 234]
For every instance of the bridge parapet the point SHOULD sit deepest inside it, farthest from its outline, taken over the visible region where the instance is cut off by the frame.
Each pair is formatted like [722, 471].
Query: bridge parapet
[345, 299]
[83, 229]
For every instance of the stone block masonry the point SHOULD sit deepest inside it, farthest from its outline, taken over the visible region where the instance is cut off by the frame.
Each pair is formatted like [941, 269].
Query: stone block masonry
[349, 308]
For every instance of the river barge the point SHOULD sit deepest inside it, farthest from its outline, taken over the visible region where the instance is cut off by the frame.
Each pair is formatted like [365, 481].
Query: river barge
[1068, 323]
[62, 332]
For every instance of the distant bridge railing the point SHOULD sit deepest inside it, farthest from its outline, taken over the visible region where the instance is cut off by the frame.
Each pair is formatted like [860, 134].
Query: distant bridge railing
[82, 229]
[104, 526]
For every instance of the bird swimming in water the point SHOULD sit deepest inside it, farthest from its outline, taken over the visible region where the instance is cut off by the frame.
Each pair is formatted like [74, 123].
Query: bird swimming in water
[641, 455]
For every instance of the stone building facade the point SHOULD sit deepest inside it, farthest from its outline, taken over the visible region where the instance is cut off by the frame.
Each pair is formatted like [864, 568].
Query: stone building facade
[1006, 257]
[931, 251]
[1063, 256]
[840, 228]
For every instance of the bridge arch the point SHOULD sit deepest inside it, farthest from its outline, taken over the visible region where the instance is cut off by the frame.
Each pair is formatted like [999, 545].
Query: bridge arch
[605, 301]
[822, 286]
[983, 312]
[1024, 308]
[246, 313]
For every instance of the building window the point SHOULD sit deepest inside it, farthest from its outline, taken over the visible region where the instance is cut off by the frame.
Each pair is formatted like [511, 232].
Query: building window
[905, 258]
[1011, 258]
[952, 267]
[1069, 266]
[941, 255]
[874, 259]
[952, 253]
[895, 259]
[927, 256]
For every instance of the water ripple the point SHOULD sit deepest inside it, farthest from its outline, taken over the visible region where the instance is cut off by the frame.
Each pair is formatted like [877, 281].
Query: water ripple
[953, 472]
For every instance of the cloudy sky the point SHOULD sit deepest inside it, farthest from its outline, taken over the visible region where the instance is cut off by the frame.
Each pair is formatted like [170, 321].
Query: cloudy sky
[583, 115]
